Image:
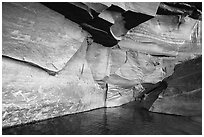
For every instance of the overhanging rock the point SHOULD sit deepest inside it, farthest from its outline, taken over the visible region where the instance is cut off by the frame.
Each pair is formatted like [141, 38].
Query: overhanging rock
[52, 67]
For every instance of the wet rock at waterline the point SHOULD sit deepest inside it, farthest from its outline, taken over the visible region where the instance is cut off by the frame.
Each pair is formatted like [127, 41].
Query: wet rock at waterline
[183, 95]
[62, 63]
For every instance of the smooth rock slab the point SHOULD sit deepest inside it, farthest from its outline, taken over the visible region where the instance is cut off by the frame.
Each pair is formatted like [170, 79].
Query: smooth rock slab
[34, 33]
[29, 93]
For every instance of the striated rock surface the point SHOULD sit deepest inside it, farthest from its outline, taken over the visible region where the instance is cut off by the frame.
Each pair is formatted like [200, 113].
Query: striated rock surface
[30, 94]
[149, 8]
[163, 35]
[52, 67]
[33, 33]
[183, 95]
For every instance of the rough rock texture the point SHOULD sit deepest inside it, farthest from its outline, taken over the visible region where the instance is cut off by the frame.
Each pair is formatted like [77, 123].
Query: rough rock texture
[29, 93]
[169, 38]
[149, 8]
[156, 47]
[34, 33]
[184, 93]
[51, 67]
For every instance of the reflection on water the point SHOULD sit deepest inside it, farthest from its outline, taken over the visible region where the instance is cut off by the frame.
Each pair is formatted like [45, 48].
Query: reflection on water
[127, 119]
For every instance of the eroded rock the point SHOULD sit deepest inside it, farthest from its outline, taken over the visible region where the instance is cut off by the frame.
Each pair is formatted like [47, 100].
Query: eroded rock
[149, 8]
[51, 67]
[183, 95]
[34, 33]
[31, 94]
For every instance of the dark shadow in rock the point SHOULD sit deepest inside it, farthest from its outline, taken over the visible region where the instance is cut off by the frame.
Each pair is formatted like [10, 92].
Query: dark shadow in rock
[193, 9]
[100, 24]
[97, 27]
[98, 7]
[151, 95]
[198, 5]
[100, 36]
[92, 12]
[133, 19]
[70, 11]
[114, 8]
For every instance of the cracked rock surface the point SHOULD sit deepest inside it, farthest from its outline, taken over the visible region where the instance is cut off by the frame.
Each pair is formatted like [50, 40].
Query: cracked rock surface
[99, 55]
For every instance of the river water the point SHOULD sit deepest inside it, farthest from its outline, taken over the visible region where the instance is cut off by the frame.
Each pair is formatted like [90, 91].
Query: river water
[127, 120]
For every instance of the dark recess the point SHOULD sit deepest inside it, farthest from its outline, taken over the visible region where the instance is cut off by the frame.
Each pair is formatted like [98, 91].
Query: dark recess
[193, 9]
[97, 27]
[133, 19]
[100, 28]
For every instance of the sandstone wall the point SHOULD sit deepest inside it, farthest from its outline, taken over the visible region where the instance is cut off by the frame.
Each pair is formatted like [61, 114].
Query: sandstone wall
[51, 67]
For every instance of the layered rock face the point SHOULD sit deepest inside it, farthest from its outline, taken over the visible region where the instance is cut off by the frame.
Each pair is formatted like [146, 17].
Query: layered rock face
[53, 66]
[45, 71]
[183, 95]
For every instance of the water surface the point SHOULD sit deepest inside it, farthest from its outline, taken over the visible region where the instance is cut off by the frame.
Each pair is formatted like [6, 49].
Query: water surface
[127, 119]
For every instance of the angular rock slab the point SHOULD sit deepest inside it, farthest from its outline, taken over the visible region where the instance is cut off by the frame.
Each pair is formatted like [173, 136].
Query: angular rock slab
[149, 8]
[97, 57]
[169, 38]
[136, 67]
[30, 94]
[33, 33]
[98, 7]
[185, 104]
[184, 93]
[128, 70]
